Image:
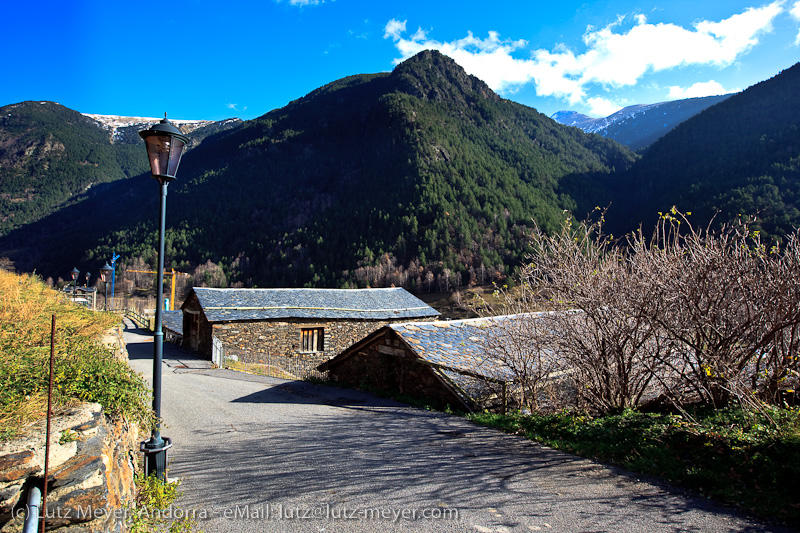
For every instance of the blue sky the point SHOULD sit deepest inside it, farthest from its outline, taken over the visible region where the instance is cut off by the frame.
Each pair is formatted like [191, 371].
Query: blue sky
[197, 59]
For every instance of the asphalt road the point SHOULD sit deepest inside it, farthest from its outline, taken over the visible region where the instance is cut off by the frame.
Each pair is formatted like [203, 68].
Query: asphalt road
[262, 454]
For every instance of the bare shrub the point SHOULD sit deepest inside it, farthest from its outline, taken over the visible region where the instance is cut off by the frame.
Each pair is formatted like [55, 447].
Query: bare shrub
[524, 344]
[775, 370]
[690, 315]
[729, 306]
[594, 329]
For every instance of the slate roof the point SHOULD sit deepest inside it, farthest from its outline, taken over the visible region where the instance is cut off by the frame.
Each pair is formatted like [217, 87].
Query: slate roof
[455, 344]
[173, 321]
[228, 305]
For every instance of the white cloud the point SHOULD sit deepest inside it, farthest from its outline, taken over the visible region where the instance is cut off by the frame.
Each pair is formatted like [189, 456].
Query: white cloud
[795, 12]
[232, 106]
[602, 107]
[614, 57]
[491, 57]
[394, 28]
[698, 90]
[303, 3]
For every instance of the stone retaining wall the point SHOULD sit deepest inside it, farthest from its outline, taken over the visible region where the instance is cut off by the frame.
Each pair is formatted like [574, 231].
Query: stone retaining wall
[92, 465]
[113, 340]
[91, 472]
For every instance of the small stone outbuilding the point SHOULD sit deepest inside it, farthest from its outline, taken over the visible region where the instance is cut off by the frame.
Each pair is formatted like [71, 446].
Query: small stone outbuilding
[315, 324]
[443, 363]
[172, 322]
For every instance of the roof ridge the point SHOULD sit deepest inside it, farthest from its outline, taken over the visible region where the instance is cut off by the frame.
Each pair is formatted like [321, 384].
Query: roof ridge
[480, 319]
[326, 308]
[298, 289]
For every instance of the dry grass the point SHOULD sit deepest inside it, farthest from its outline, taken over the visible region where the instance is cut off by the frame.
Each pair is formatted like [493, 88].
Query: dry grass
[26, 309]
[259, 369]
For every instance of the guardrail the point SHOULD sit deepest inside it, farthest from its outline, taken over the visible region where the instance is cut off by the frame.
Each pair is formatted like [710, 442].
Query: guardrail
[139, 319]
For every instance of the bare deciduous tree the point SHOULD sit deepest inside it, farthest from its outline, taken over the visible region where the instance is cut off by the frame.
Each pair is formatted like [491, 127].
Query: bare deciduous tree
[724, 300]
[536, 365]
[693, 315]
[595, 330]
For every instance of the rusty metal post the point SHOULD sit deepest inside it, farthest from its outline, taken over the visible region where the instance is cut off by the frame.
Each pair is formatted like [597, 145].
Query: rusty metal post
[49, 416]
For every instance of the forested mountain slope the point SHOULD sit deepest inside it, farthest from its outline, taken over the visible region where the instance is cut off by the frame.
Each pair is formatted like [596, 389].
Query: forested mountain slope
[379, 178]
[50, 154]
[741, 156]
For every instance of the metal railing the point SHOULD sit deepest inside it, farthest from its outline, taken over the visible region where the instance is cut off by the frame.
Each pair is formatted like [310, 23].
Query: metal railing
[139, 319]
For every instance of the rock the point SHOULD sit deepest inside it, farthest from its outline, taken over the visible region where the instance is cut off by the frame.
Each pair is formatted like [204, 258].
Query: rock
[9, 497]
[90, 478]
[16, 466]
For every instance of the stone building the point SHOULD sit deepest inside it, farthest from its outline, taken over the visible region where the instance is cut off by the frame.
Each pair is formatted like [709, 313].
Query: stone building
[314, 324]
[443, 363]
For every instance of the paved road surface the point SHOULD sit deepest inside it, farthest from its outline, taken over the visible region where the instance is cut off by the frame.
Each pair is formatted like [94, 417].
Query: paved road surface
[262, 454]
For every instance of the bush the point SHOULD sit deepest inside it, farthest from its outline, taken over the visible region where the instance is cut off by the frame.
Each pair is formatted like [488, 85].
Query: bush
[687, 315]
[154, 511]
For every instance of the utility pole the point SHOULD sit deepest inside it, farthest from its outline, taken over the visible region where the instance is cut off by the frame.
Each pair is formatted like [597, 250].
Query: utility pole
[174, 274]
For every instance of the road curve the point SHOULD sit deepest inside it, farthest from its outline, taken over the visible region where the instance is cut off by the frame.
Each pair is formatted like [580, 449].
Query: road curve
[261, 454]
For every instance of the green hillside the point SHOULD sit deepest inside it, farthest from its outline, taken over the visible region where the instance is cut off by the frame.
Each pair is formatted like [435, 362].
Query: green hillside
[422, 177]
[49, 154]
[741, 156]
[425, 164]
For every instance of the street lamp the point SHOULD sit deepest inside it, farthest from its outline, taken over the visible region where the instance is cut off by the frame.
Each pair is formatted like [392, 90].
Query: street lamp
[165, 144]
[74, 273]
[105, 270]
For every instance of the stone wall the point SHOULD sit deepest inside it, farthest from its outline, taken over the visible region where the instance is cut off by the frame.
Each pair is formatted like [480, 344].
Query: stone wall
[282, 338]
[91, 472]
[113, 340]
[386, 364]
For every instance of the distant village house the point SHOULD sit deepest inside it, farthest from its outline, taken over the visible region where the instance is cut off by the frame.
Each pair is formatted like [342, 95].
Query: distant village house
[314, 324]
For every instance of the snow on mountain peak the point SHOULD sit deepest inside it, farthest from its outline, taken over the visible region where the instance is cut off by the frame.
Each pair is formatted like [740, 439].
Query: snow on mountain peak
[113, 123]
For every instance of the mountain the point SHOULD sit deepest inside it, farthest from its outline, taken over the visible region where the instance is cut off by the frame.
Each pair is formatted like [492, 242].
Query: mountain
[638, 126]
[741, 156]
[49, 154]
[372, 179]
[125, 130]
[573, 118]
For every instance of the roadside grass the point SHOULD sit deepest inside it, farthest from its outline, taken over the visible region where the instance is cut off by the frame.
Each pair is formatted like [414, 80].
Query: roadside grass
[84, 370]
[154, 509]
[749, 461]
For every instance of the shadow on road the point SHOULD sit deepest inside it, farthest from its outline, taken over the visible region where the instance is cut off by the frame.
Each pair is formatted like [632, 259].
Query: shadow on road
[302, 392]
[139, 342]
[397, 457]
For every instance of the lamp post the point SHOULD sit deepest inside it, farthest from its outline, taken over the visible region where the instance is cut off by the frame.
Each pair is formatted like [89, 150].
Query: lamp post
[105, 270]
[114, 258]
[165, 144]
[74, 273]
